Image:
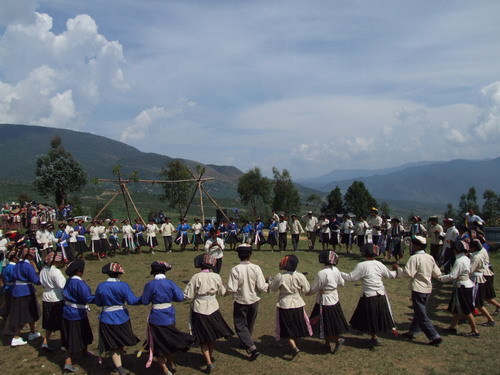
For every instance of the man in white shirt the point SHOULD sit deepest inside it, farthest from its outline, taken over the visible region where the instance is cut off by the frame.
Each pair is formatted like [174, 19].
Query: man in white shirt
[296, 230]
[311, 228]
[451, 235]
[246, 280]
[283, 228]
[421, 267]
[166, 230]
[374, 223]
[472, 220]
[436, 236]
[214, 247]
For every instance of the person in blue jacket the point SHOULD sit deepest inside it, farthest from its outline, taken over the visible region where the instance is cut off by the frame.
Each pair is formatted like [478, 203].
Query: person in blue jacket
[24, 307]
[163, 338]
[8, 284]
[258, 233]
[115, 328]
[182, 234]
[76, 333]
[139, 227]
[62, 243]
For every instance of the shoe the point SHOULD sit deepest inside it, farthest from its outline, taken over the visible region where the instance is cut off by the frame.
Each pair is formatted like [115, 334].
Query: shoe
[45, 347]
[209, 368]
[152, 252]
[450, 331]
[254, 355]
[338, 345]
[472, 334]
[33, 336]
[488, 324]
[293, 352]
[496, 312]
[70, 368]
[375, 342]
[408, 335]
[18, 342]
[436, 342]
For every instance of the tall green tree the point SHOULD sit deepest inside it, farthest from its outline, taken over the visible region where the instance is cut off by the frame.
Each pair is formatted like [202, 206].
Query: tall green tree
[58, 173]
[384, 208]
[334, 203]
[468, 201]
[450, 212]
[314, 201]
[358, 199]
[177, 194]
[491, 205]
[286, 197]
[254, 189]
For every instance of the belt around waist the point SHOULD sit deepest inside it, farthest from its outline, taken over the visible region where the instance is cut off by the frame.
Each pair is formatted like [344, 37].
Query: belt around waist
[207, 297]
[22, 283]
[160, 306]
[112, 308]
[75, 305]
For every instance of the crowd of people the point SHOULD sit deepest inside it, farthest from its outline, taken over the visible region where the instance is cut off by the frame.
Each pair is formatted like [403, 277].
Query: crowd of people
[457, 255]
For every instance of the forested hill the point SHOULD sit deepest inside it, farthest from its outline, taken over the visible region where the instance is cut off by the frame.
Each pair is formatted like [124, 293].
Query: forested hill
[20, 145]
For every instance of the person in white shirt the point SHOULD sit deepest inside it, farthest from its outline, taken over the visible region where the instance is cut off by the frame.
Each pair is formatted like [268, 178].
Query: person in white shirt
[296, 230]
[283, 228]
[347, 227]
[53, 282]
[95, 239]
[45, 238]
[206, 321]
[374, 223]
[324, 231]
[246, 281]
[70, 231]
[473, 221]
[167, 229]
[373, 313]
[151, 229]
[421, 268]
[311, 228]
[197, 228]
[292, 321]
[360, 229]
[450, 237]
[436, 236]
[462, 301]
[128, 236]
[327, 313]
[214, 247]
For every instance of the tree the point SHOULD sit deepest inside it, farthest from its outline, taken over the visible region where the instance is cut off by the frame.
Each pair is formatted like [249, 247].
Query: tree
[314, 201]
[177, 194]
[358, 199]
[58, 173]
[468, 201]
[286, 197]
[334, 204]
[254, 189]
[491, 205]
[450, 212]
[385, 209]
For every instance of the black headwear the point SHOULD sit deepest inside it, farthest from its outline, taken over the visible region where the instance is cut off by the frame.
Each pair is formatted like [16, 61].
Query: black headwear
[289, 263]
[244, 250]
[204, 261]
[460, 246]
[328, 257]
[160, 267]
[370, 250]
[113, 268]
[75, 267]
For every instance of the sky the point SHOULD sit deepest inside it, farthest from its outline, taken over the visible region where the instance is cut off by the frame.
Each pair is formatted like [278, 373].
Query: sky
[309, 86]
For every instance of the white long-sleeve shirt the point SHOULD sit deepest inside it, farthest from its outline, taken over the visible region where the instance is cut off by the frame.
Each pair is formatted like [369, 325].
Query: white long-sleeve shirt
[459, 273]
[167, 229]
[326, 284]
[217, 249]
[290, 285]
[246, 280]
[371, 273]
[53, 282]
[203, 289]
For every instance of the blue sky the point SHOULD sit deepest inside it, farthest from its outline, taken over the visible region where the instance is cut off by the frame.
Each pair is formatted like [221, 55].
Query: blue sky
[308, 86]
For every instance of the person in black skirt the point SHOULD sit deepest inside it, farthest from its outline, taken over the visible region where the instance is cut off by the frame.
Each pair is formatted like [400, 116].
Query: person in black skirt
[373, 312]
[206, 321]
[53, 282]
[327, 314]
[115, 328]
[24, 307]
[76, 333]
[81, 244]
[291, 319]
[462, 300]
[163, 338]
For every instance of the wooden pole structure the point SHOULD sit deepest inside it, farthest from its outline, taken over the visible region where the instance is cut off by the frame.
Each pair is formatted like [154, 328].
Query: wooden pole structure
[133, 204]
[194, 179]
[214, 202]
[106, 205]
[201, 203]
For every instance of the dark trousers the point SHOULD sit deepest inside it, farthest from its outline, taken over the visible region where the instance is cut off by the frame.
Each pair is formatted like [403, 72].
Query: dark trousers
[244, 320]
[311, 239]
[436, 251]
[421, 321]
[295, 241]
[168, 242]
[375, 238]
[218, 266]
[282, 240]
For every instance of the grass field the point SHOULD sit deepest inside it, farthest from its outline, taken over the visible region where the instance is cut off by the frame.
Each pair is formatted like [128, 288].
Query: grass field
[457, 355]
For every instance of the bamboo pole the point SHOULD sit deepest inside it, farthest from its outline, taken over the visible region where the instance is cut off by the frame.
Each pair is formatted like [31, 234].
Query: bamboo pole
[215, 203]
[156, 181]
[133, 204]
[201, 203]
[106, 205]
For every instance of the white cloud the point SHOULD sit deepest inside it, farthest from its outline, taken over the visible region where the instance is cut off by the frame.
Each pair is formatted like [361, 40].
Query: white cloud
[487, 126]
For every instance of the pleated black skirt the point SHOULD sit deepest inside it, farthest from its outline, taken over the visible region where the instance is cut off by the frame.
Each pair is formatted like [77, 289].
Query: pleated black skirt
[462, 301]
[182, 239]
[167, 339]
[259, 239]
[334, 238]
[96, 246]
[152, 241]
[104, 245]
[52, 315]
[140, 240]
[372, 315]
[292, 323]
[489, 287]
[232, 238]
[24, 310]
[331, 322]
[70, 251]
[114, 336]
[6, 304]
[479, 293]
[76, 335]
[207, 328]
[81, 247]
[272, 239]
[197, 239]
